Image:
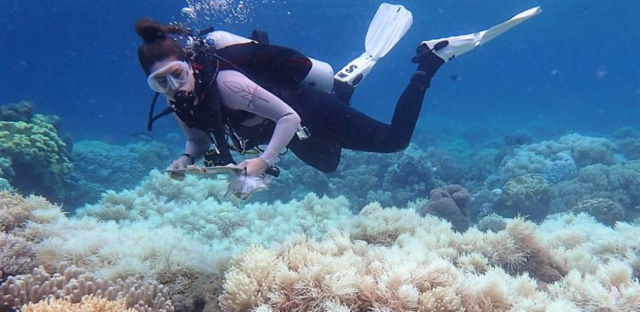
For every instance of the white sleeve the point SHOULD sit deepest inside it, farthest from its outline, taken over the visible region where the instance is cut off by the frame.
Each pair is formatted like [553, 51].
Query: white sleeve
[240, 93]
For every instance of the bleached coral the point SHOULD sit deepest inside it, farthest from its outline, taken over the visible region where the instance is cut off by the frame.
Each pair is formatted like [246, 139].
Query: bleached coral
[73, 285]
[426, 266]
[88, 303]
[378, 225]
[118, 251]
[174, 243]
[612, 288]
[381, 260]
[16, 255]
[306, 275]
[195, 206]
[15, 209]
[580, 243]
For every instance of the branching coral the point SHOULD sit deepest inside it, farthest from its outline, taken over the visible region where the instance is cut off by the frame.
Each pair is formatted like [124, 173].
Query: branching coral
[15, 210]
[378, 225]
[73, 284]
[610, 289]
[192, 205]
[16, 255]
[306, 275]
[539, 263]
[88, 303]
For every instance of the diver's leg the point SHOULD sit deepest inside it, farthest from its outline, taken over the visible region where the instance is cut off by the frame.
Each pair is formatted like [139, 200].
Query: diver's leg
[320, 154]
[330, 120]
[357, 131]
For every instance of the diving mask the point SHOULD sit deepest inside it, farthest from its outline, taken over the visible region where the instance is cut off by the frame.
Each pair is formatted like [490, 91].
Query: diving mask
[170, 77]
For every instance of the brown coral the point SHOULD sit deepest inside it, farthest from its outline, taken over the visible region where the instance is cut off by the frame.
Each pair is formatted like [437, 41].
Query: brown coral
[72, 284]
[449, 202]
[539, 261]
[14, 209]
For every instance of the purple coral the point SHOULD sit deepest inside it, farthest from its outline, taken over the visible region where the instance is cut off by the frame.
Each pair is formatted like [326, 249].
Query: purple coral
[449, 202]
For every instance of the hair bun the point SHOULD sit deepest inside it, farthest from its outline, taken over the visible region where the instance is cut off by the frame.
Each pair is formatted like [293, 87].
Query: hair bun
[150, 31]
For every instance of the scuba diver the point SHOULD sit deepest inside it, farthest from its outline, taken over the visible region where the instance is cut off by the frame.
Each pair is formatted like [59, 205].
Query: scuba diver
[234, 93]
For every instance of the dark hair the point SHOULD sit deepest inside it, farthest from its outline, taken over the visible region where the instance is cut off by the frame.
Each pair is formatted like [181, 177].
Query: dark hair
[158, 44]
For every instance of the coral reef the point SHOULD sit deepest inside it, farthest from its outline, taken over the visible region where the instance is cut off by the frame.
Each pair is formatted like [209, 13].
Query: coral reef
[261, 257]
[401, 177]
[412, 273]
[72, 284]
[449, 202]
[391, 179]
[346, 275]
[558, 160]
[35, 152]
[196, 205]
[88, 303]
[619, 183]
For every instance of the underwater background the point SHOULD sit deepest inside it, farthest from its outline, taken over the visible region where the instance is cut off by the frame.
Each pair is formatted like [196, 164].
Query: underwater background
[520, 190]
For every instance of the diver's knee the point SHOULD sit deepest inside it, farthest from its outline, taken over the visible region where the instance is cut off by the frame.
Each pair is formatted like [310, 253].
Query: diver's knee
[398, 146]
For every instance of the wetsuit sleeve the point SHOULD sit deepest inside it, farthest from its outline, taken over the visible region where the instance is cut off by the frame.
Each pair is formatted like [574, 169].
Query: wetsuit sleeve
[197, 143]
[240, 93]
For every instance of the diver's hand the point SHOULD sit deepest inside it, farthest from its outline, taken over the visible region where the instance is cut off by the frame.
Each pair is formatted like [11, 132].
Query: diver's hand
[180, 163]
[254, 166]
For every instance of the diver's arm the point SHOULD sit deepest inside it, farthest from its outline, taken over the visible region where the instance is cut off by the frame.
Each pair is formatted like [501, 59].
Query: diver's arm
[197, 143]
[240, 93]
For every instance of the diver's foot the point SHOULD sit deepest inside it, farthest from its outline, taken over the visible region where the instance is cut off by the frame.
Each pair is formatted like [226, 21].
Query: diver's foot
[452, 47]
[427, 58]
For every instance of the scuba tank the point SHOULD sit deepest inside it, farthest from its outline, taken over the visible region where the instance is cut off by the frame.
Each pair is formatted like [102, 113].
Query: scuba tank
[320, 76]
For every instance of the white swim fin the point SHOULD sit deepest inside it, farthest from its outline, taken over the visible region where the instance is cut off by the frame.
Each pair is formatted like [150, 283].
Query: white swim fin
[458, 45]
[387, 27]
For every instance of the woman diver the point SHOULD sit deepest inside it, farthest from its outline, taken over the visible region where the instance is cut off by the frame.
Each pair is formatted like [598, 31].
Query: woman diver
[252, 93]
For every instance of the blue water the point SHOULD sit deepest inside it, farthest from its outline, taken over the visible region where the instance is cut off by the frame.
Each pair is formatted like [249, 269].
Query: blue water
[575, 67]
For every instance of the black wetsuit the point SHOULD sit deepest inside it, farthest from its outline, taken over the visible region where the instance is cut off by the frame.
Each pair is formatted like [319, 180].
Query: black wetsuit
[334, 125]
